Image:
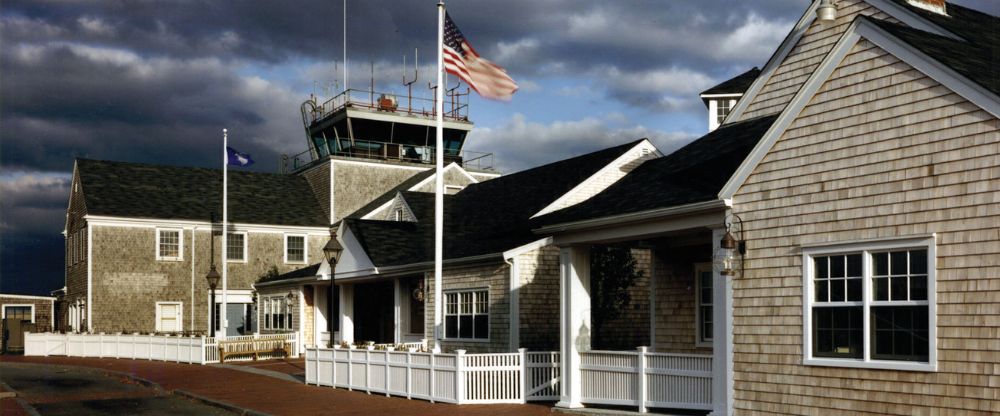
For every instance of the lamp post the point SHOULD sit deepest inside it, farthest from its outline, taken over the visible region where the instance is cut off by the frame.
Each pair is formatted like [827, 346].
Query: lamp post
[213, 281]
[332, 251]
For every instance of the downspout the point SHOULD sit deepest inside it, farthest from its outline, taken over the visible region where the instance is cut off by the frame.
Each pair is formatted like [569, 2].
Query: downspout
[194, 231]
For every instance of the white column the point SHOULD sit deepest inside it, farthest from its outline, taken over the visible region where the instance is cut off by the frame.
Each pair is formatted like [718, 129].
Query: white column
[347, 313]
[722, 335]
[397, 316]
[574, 323]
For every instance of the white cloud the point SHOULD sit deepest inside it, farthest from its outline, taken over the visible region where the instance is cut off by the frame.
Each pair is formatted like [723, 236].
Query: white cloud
[755, 40]
[95, 25]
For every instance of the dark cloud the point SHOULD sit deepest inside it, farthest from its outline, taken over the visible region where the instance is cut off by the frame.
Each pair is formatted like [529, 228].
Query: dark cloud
[155, 81]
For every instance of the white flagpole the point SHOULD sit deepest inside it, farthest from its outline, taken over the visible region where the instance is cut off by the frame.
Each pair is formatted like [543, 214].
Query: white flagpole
[345, 45]
[225, 230]
[439, 187]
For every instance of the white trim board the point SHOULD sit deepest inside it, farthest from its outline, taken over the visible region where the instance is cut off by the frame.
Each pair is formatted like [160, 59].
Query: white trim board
[897, 11]
[111, 221]
[622, 159]
[860, 29]
[8, 295]
[3, 309]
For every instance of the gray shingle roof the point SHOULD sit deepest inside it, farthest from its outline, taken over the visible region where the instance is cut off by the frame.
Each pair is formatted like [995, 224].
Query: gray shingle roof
[137, 190]
[735, 85]
[693, 173]
[484, 218]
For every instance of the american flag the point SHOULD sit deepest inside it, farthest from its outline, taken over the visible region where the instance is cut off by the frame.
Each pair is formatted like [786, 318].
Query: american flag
[488, 79]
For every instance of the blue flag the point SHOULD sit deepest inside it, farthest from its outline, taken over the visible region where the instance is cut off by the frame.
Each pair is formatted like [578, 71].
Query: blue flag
[238, 159]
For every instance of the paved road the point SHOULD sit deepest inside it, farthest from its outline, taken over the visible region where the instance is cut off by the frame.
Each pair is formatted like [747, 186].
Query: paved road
[274, 395]
[72, 390]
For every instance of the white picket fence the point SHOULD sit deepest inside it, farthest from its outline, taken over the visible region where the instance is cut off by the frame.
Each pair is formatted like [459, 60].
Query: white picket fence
[192, 350]
[450, 378]
[644, 379]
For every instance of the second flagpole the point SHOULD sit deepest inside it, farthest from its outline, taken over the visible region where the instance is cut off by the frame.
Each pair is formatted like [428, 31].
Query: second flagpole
[225, 226]
[439, 186]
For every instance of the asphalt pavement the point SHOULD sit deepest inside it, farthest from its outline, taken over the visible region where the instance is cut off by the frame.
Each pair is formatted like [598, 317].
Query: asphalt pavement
[72, 390]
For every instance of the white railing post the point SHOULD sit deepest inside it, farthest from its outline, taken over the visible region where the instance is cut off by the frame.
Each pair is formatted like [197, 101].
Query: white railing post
[524, 374]
[431, 371]
[368, 371]
[459, 376]
[350, 369]
[409, 375]
[387, 373]
[642, 380]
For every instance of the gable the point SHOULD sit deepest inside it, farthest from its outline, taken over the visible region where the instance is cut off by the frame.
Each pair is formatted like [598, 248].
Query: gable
[807, 45]
[604, 178]
[454, 176]
[76, 208]
[848, 58]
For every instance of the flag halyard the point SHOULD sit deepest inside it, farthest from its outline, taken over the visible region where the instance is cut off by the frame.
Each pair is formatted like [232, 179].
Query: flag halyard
[488, 79]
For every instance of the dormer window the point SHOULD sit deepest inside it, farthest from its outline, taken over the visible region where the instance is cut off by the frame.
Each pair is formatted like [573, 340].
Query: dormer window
[722, 109]
[399, 214]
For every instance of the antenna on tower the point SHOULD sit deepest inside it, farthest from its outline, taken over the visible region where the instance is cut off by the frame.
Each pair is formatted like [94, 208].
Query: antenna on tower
[409, 84]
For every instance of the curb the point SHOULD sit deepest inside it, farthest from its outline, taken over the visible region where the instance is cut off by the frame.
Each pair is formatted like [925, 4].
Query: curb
[219, 404]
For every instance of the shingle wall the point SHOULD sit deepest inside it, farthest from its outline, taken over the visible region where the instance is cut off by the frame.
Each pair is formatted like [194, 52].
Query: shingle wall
[880, 151]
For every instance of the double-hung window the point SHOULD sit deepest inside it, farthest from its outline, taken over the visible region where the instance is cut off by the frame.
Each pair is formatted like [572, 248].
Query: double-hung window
[169, 244]
[236, 247]
[295, 249]
[870, 305]
[467, 314]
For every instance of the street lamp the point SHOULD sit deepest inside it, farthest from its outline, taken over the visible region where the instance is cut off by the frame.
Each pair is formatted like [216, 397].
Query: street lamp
[332, 251]
[213, 281]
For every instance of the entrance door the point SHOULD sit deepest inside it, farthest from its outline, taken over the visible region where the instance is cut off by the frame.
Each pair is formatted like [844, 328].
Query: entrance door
[241, 319]
[373, 312]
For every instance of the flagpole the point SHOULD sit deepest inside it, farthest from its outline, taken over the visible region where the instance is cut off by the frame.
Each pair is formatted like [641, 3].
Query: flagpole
[439, 186]
[225, 234]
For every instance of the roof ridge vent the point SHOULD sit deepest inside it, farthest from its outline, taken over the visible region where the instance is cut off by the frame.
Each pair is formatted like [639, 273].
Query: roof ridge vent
[935, 6]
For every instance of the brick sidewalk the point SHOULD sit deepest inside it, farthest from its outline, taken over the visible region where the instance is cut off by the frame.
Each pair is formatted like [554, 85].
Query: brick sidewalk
[278, 397]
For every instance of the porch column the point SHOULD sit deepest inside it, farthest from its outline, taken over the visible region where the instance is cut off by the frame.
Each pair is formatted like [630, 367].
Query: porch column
[722, 336]
[347, 313]
[397, 325]
[574, 322]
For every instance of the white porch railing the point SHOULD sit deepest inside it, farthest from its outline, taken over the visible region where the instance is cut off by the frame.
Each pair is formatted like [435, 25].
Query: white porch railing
[450, 378]
[193, 350]
[645, 379]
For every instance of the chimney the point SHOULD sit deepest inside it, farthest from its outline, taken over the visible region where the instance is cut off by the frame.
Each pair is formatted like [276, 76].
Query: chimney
[936, 6]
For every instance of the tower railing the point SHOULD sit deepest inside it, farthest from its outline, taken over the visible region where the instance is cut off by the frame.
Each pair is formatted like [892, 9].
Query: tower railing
[456, 106]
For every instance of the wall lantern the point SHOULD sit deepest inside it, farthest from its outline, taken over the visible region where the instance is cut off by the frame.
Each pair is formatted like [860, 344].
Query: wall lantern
[827, 11]
[418, 293]
[731, 251]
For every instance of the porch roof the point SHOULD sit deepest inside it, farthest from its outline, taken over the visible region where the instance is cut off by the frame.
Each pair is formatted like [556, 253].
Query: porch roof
[297, 274]
[693, 173]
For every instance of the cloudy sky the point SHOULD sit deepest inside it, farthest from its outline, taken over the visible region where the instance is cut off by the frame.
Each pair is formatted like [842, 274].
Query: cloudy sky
[155, 82]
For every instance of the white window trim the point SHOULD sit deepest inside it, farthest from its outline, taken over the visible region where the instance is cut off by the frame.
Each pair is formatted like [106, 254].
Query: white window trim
[3, 309]
[865, 247]
[489, 320]
[700, 340]
[246, 243]
[180, 245]
[305, 248]
[180, 315]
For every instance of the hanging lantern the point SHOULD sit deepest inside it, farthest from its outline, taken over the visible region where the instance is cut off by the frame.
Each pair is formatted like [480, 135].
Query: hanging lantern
[418, 293]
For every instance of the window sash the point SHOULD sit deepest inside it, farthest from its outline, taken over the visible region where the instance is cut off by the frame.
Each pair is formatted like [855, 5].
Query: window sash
[467, 315]
[868, 304]
[295, 249]
[236, 247]
[168, 244]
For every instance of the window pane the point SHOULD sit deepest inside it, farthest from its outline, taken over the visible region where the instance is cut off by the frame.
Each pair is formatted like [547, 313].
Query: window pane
[918, 288]
[918, 262]
[881, 288]
[822, 291]
[837, 290]
[897, 262]
[821, 268]
[837, 332]
[854, 265]
[854, 290]
[482, 326]
[900, 333]
[465, 326]
[451, 326]
[897, 288]
[837, 266]
[880, 264]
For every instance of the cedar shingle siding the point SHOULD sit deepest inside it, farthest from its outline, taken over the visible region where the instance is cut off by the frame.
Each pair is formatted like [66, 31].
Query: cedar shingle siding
[880, 151]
